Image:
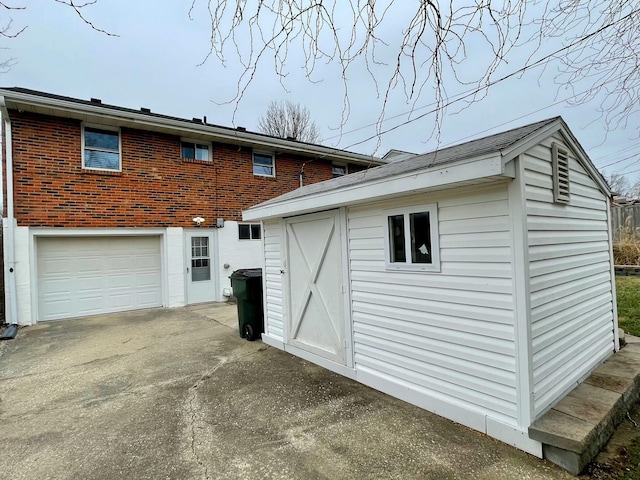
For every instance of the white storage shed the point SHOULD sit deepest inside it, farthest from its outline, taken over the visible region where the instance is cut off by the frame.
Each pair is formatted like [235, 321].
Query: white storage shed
[475, 281]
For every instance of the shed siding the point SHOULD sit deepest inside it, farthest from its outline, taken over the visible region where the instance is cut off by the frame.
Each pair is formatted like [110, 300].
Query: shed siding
[570, 283]
[448, 334]
[274, 295]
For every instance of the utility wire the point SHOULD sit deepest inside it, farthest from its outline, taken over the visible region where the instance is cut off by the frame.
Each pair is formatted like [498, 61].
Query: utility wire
[475, 91]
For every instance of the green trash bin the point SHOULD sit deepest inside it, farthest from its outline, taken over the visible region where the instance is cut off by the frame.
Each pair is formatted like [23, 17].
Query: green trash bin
[247, 289]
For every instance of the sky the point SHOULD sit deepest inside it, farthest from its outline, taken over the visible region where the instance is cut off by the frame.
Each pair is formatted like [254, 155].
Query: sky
[156, 61]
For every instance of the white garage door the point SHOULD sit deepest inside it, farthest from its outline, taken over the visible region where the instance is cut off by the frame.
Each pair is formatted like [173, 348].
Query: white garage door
[88, 276]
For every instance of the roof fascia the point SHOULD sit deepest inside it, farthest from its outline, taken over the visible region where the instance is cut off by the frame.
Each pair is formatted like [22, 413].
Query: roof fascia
[184, 127]
[443, 176]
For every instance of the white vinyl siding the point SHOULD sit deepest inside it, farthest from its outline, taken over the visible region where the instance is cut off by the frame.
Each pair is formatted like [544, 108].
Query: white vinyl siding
[274, 295]
[449, 335]
[570, 289]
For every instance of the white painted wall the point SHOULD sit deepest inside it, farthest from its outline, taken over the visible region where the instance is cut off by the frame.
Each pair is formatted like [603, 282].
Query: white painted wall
[235, 253]
[570, 277]
[23, 270]
[175, 267]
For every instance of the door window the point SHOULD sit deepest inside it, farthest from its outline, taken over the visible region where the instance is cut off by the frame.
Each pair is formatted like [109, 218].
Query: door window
[200, 261]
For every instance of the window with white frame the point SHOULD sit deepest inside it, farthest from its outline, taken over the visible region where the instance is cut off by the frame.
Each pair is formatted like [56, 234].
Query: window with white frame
[412, 238]
[101, 148]
[264, 164]
[338, 170]
[194, 150]
[249, 231]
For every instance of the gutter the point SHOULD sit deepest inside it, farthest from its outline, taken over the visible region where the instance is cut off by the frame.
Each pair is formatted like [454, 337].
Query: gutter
[222, 134]
[9, 246]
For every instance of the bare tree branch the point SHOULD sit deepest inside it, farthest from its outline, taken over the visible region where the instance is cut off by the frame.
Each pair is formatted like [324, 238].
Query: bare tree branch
[289, 120]
[427, 47]
[77, 7]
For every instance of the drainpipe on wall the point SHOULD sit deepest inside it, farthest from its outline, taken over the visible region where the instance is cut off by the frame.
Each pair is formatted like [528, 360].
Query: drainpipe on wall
[9, 251]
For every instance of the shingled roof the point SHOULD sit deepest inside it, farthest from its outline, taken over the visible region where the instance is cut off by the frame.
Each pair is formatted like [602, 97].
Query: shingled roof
[480, 147]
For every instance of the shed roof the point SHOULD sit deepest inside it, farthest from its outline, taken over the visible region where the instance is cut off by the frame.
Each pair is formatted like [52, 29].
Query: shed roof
[494, 150]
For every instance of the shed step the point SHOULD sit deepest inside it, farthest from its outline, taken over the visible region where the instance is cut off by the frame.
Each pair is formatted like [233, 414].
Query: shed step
[575, 429]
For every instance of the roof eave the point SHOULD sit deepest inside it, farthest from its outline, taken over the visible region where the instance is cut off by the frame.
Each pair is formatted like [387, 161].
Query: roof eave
[468, 172]
[102, 114]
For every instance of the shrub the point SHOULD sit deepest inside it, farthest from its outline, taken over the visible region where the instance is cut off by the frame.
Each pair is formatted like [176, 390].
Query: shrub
[626, 246]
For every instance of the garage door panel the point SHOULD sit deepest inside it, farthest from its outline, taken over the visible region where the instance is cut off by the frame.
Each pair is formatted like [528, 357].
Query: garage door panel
[92, 275]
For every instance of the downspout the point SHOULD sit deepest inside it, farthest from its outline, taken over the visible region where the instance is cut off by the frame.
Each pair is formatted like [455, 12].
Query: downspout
[10, 263]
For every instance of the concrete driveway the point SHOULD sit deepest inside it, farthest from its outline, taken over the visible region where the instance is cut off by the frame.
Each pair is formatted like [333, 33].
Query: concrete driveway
[177, 394]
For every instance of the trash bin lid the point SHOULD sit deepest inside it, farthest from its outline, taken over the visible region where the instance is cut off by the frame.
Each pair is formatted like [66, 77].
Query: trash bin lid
[247, 273]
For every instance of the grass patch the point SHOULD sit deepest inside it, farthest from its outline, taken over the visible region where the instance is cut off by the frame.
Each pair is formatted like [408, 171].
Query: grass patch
[628, 296]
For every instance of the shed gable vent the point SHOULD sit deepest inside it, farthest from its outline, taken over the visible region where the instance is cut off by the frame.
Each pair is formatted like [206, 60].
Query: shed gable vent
[560, 174]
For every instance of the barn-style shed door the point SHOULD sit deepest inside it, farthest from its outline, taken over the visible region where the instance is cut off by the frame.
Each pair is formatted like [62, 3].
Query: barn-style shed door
[316, 320]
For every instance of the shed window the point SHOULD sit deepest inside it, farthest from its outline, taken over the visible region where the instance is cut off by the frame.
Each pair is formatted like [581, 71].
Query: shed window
[560, 174]
[412, 239]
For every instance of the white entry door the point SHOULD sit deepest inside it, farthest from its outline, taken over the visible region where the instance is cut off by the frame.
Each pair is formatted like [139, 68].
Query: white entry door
[316, 320]
[200, 263]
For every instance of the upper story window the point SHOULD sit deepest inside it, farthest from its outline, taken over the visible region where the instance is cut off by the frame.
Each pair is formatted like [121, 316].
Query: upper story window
[338, 170]
[412, 239]
[194, 150]
[264, 164]
[101, 148]
[249, 231]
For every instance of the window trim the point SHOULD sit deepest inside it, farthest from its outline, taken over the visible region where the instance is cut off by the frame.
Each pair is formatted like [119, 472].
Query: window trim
[273, 163]
[106, 128]
[434, 266]
[196, 142]
[251, 238]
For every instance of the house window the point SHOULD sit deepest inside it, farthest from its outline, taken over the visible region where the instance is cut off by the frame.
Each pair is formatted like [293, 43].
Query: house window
[264, 164]
[560, 160]
[249, 231]
[193, 150]
[101, 148]
[338, 170]
[412, 239]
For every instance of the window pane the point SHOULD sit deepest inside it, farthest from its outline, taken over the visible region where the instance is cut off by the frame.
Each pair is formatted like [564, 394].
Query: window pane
[396, 239]
[104, 160]
[420, 237]
[188, 150]
[202, 152]
[255, 231]
[100, 139]
[244, 232]
[262, 164]
[260, 170]
[338, 170]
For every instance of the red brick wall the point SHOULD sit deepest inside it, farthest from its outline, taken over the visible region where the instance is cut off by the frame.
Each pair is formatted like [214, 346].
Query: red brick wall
[156, 188]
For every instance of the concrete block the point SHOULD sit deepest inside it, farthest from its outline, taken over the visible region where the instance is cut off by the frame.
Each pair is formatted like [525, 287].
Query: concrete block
[609, 382]
[562, 431]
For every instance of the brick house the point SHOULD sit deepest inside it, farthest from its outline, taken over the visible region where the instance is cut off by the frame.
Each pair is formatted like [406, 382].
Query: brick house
[110, 209]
